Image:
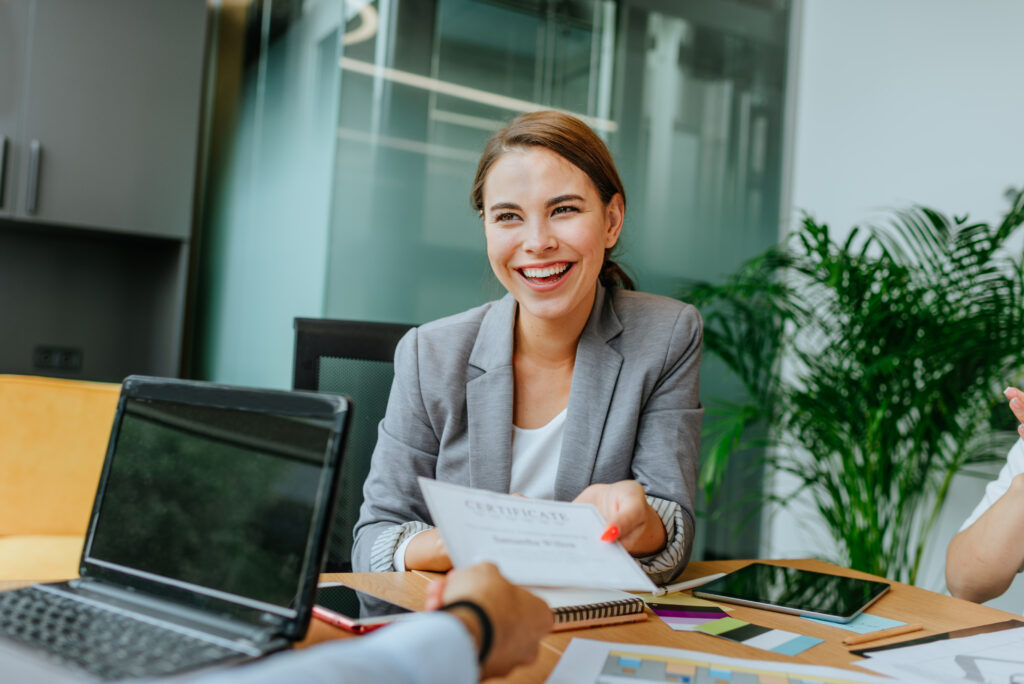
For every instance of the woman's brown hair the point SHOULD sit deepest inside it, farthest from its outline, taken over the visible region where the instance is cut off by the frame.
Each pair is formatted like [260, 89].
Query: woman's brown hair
[574, 141]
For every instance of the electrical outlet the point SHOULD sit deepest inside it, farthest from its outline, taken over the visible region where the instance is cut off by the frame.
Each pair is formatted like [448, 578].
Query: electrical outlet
[46, 357]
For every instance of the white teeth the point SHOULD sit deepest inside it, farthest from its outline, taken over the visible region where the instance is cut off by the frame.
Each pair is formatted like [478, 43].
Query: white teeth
[546, 271]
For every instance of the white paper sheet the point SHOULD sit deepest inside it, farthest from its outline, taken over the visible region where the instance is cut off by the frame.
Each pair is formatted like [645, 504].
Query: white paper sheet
[532, 541]
[994, 658]
[603, 662]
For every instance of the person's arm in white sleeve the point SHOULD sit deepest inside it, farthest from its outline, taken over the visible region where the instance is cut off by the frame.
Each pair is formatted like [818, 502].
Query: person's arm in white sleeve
[482, 619]
[988, 552]
[431, 648]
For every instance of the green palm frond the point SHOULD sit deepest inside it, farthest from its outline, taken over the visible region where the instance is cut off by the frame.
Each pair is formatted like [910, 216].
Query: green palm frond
[895, 342]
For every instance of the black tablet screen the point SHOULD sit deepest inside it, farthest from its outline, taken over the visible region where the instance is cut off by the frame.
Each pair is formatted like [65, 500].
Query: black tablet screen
[797, 590]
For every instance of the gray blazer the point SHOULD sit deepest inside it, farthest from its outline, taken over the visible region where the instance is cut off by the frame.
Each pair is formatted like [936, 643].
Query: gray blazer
[634, 413]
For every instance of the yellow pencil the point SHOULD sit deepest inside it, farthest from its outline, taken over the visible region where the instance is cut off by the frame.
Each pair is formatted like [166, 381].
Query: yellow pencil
[881, 634]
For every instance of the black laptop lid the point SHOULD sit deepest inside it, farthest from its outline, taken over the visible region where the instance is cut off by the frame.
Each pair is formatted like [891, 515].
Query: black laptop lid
[218, 497]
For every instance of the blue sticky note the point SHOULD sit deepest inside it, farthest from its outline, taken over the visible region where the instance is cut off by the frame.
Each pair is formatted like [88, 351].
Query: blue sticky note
[862, 624]
[796, 646]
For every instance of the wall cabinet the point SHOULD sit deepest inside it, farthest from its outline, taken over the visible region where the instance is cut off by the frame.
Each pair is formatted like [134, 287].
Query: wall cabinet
[100, 107]
[13, 45]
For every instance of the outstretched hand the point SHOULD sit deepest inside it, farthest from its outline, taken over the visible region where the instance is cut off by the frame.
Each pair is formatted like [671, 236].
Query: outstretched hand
[519, 618]
[624, 505]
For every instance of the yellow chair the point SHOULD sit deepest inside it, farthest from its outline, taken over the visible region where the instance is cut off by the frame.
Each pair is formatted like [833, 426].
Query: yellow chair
[53, 439]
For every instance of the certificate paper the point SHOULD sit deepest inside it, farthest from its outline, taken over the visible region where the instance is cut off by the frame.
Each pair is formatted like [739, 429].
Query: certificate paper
[532, 541]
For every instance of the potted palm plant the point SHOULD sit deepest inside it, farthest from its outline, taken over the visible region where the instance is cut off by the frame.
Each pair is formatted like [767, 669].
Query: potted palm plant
[876, 365]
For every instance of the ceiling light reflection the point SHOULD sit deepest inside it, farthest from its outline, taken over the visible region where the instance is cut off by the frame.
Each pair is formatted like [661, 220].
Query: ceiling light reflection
[482, 96]
[367, 29]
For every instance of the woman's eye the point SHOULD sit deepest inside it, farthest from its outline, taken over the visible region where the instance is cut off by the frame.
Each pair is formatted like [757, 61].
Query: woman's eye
[507, 216]
[565, 209]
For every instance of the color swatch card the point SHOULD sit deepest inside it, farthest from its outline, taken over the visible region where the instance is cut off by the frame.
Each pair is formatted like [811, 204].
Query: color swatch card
[683, 612]
[774, 640]
[862, 624]
[687, 618]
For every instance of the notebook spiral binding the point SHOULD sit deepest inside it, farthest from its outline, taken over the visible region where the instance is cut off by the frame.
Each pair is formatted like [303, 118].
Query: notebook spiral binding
[597, 611]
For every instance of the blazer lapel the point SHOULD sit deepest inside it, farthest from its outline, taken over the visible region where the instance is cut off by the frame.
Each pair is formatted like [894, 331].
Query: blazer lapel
[593, 383]
[490, 393]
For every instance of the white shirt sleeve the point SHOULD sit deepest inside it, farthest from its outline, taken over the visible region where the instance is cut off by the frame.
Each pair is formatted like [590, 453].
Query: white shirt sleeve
[432, 648]
[399, 558]
[995, 489]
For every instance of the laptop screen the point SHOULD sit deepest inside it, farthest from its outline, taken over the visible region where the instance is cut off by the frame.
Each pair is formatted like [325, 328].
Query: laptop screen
[212, 499]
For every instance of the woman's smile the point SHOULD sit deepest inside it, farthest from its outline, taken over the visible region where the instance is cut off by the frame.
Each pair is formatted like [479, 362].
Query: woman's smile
[545, 277]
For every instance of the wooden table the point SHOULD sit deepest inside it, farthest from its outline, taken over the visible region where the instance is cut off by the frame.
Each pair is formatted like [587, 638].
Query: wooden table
[936, 612]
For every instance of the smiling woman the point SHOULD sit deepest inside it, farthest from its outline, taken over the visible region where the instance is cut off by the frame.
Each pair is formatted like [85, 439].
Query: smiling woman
[571, 387]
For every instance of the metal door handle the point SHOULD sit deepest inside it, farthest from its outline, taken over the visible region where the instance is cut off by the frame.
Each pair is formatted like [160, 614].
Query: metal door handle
[32, 192]
[3, 167]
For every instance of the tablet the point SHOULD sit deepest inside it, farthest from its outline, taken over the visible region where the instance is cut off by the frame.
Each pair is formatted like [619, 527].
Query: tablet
[800, 592]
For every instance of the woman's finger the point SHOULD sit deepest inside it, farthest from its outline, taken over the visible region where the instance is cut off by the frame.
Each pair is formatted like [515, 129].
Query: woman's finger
[627, 508]
[1016, 398]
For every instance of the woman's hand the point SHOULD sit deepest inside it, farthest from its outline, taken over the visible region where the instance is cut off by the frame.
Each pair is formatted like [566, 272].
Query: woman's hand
[1016, 398]
[426, 551]
[624, 505]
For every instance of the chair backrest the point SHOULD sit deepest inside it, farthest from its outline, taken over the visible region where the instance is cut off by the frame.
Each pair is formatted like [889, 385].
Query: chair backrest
[354, 358]
[53, 439]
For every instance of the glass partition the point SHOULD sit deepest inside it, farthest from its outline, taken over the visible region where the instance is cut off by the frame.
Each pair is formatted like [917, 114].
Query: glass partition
[345, 138]
[688, 96]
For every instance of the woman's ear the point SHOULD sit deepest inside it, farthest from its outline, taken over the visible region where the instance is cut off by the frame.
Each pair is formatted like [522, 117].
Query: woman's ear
[615, 214]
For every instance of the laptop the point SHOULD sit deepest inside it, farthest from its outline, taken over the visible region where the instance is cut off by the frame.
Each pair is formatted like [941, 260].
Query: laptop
[206, 538]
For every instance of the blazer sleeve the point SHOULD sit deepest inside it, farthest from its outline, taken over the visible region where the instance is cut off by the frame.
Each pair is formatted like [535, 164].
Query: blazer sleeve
[407, 447]
[668, 442]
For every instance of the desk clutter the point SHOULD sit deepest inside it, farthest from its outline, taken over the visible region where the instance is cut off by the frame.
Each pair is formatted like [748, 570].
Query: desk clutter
[988, 653]
[991, 656]
[784, 610]
[592, 662]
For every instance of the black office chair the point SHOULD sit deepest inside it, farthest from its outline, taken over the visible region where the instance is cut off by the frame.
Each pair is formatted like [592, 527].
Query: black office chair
[354, 358]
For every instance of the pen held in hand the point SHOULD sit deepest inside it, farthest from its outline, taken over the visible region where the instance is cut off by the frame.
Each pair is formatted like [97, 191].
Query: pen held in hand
[881, 634]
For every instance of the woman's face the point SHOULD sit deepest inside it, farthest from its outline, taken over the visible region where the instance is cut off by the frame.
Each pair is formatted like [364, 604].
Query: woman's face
[547, 231]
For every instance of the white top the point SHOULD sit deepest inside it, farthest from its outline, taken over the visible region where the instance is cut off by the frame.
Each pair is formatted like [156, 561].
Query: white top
[995, 489]
[534, 467]
[535, 458]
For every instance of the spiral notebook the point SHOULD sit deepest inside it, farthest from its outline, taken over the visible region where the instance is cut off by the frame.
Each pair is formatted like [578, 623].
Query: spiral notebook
[577, 608]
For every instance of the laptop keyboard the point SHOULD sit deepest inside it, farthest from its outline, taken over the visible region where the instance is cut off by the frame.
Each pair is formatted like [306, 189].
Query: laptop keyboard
[104, 643]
